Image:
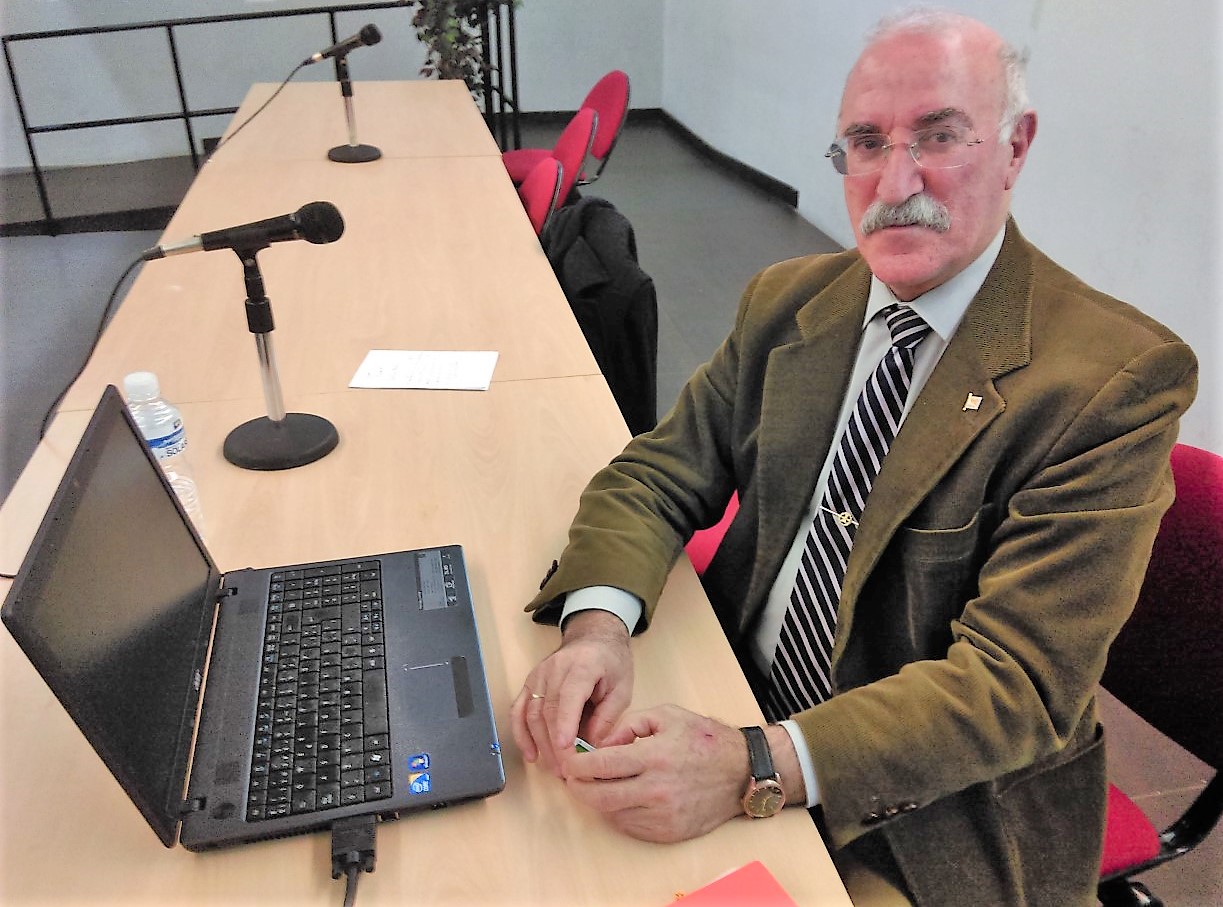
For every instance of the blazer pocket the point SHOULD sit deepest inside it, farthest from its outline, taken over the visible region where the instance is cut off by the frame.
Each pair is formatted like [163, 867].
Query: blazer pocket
[938, 575]
[938, 546]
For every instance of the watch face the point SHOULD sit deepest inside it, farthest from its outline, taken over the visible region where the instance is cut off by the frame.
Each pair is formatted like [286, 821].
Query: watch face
[765, 799]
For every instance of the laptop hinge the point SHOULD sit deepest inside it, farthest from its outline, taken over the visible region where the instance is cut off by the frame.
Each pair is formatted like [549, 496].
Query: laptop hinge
[195, 805]
[224, 591]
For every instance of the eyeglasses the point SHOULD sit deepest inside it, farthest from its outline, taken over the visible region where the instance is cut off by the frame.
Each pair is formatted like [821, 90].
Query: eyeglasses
[933, 148]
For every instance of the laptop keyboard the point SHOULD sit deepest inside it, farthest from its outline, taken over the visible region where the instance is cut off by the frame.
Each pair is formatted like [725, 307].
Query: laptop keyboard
[321, 735]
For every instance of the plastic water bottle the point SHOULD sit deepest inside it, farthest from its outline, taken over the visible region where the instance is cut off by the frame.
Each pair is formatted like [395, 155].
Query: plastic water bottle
[162, 427]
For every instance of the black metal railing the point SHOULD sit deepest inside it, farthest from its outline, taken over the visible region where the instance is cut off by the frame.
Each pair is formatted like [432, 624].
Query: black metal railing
[500, 79]
[499, 36]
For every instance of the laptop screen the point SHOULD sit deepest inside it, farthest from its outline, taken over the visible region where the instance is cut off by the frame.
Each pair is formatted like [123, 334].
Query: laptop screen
[112, 605]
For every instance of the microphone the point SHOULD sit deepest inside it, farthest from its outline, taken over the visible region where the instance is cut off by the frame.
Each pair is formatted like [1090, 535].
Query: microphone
[367, 35]
[317, 222]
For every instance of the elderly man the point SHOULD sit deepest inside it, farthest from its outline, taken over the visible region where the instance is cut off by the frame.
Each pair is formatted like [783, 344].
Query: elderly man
[952, 459]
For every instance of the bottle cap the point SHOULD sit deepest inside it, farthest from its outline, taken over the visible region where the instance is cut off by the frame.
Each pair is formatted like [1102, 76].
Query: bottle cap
[140, 386]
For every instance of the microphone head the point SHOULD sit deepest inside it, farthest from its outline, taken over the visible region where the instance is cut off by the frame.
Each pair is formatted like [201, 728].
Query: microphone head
[319, 222]
[370, 34]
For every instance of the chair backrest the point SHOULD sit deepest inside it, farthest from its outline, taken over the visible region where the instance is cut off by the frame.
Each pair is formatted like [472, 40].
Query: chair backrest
[1167, 663]
[540, 192]
[573, 146]
[704, 542]
[609, 98]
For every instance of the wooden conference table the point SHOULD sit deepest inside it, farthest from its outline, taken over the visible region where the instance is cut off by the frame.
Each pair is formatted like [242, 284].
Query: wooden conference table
[437, 254]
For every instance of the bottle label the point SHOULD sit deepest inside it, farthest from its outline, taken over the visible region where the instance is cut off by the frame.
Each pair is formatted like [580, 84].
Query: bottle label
[169, 445]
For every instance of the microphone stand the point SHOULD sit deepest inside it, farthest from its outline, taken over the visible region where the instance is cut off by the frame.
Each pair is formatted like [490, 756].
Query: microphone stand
[278, 440]
[352, 153]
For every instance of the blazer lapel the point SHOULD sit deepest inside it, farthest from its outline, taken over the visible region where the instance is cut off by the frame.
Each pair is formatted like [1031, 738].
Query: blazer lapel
[805, 383]
[956, 404]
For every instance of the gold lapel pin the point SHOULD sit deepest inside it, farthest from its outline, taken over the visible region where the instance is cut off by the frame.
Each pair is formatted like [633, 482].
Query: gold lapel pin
[972, 403]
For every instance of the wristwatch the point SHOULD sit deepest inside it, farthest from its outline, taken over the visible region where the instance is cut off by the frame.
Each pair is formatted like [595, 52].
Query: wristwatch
[764, 796]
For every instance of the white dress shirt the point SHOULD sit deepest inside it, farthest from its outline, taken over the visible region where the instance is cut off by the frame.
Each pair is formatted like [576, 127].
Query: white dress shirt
[942, 308]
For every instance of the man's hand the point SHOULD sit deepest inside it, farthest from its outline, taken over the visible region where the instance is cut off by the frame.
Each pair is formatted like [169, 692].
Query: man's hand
[581, 688]
[665, 774]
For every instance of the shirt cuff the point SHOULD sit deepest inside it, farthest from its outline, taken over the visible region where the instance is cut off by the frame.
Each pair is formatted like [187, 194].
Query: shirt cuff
[624, 605]
[804, 761]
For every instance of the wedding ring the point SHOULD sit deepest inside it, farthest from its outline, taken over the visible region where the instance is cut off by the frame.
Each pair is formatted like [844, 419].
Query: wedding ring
[537, 695]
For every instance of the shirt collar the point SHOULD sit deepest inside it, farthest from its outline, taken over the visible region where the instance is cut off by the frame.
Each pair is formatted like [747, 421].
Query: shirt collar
[944, 306]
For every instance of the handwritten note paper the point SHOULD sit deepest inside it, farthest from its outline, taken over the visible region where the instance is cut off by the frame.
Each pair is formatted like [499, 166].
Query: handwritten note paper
[426, 369]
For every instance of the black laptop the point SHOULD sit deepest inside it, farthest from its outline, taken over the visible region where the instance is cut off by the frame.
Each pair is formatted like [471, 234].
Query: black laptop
[330, 690]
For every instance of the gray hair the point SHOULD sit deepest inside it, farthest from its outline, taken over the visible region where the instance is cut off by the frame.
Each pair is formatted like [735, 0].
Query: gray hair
[936, 20]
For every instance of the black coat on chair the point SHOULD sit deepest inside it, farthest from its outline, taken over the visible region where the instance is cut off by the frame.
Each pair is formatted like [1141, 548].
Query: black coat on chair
[593, 251]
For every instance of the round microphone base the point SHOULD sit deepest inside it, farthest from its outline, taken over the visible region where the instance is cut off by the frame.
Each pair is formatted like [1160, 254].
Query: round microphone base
[354, 154]
[296, 440]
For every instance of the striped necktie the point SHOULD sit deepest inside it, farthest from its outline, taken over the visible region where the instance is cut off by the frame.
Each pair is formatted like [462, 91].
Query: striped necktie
[801, 674]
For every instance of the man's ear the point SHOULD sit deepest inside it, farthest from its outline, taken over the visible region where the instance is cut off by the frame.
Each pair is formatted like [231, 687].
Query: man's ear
[1021, 141]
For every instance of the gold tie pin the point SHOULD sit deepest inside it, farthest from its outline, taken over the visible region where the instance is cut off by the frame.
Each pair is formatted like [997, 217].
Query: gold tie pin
[845, 518]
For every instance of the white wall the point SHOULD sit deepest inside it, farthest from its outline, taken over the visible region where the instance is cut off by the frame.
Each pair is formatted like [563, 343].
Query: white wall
[1123, 183]
[564, 46]
[1122, 186]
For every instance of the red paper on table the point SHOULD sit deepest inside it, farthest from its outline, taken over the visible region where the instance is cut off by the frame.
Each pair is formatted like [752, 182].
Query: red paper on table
[751, 884]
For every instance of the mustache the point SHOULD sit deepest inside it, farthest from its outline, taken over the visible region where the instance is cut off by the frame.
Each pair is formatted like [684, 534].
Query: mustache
[918, 210]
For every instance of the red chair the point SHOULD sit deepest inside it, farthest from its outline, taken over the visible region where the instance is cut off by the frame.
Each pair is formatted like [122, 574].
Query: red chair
[704, 542]
[573, 146]
[570, 149]
[1167, 666]
[609, 99]
[540, 190]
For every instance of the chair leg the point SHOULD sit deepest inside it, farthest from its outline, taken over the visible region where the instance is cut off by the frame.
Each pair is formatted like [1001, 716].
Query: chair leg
[1126, 893]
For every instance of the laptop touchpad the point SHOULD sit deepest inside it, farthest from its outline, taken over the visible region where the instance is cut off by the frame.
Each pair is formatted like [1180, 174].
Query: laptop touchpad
[439, 691]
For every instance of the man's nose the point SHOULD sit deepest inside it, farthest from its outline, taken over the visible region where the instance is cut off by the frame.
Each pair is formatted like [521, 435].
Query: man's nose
[901, 178]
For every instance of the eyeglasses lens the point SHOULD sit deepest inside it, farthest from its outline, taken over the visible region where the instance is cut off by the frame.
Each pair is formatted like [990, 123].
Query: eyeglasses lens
[935, 148]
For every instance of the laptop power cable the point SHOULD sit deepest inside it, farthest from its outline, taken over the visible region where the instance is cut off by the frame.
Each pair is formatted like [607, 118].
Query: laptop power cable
[352, 851]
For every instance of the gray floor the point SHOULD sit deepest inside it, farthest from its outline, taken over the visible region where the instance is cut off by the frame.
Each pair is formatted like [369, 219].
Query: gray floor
[54, 291]
[701, 234]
